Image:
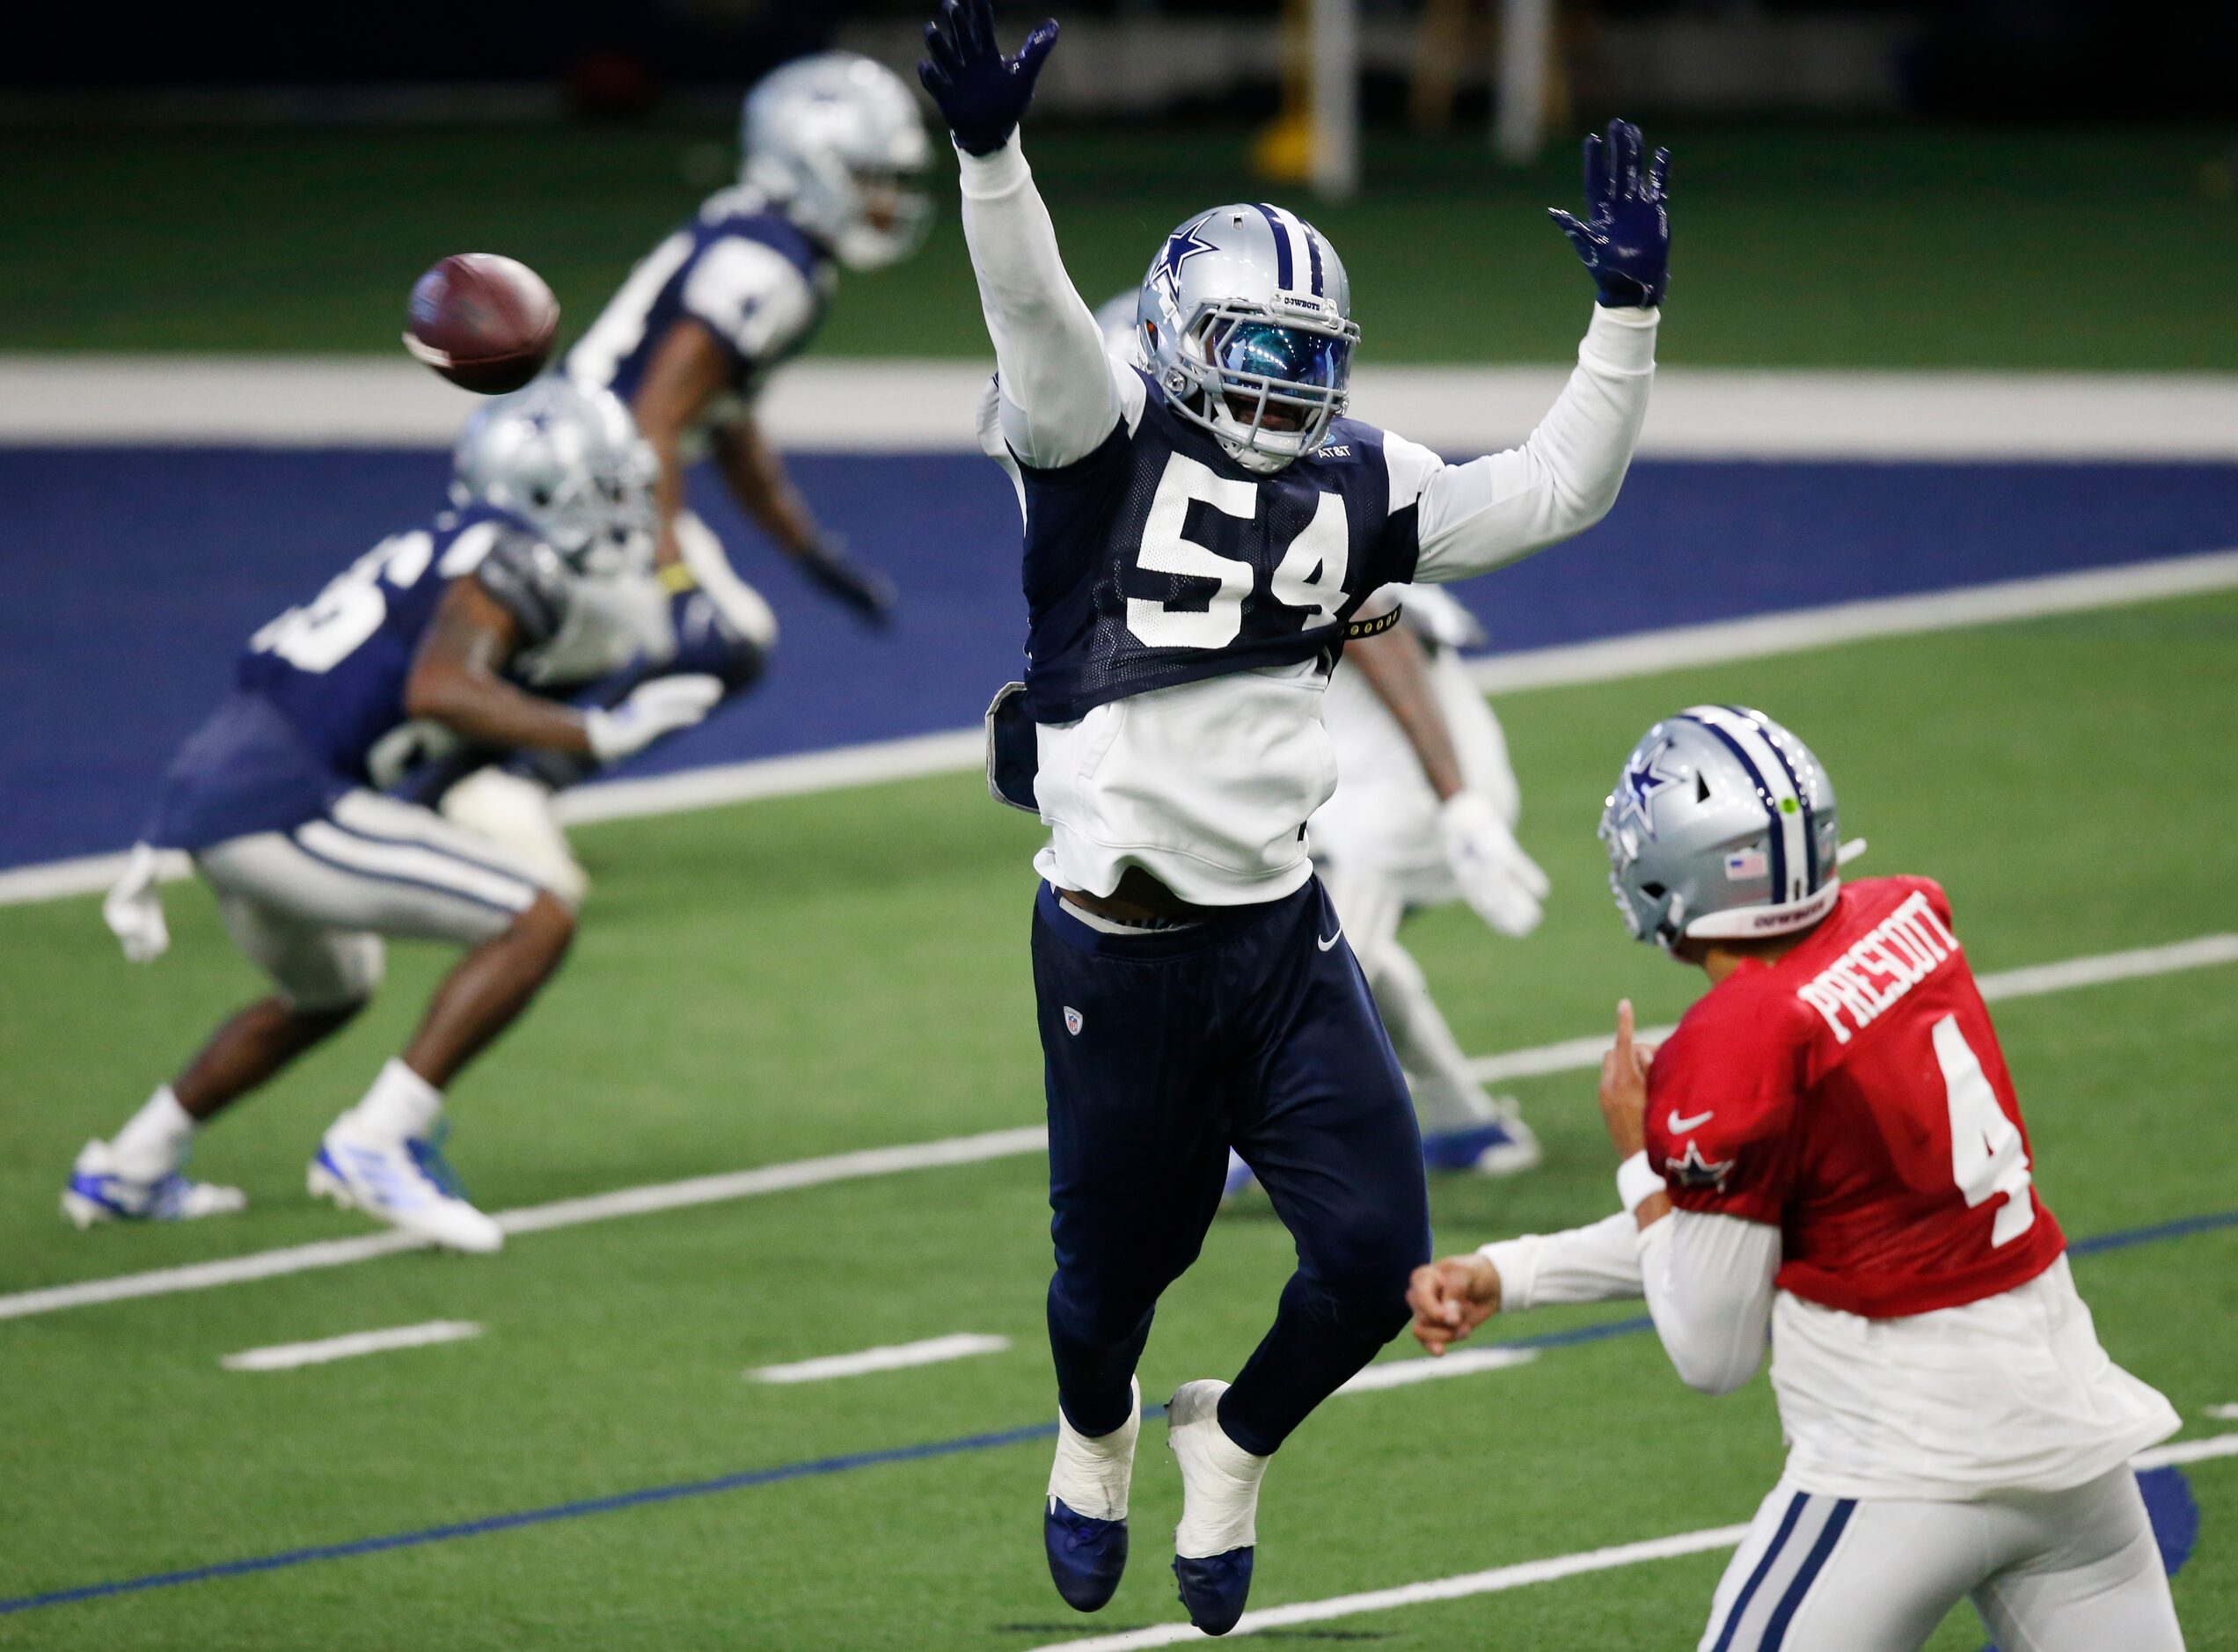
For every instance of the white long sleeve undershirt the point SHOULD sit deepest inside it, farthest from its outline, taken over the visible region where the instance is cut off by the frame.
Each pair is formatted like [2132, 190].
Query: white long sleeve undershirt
[1059, 397]
[1707, 1278]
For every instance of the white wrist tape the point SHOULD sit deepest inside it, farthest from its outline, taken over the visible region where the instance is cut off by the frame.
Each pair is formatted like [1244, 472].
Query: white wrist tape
[1636, 1179]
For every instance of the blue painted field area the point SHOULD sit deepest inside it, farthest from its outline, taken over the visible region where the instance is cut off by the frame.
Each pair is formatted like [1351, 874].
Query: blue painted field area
[131, 575]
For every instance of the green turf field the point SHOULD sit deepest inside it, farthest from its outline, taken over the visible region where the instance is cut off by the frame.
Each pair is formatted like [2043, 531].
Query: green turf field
[807, 977]
[1845, 245]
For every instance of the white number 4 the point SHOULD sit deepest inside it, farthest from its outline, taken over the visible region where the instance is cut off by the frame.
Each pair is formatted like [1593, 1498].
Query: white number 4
[1311, 574]
[1986, 1156]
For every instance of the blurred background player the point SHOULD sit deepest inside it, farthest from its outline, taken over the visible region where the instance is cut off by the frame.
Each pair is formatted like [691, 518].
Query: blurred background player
[1423, 815]
[277, 799]
[1199, 539]
[833, 151]
[1827, 1158]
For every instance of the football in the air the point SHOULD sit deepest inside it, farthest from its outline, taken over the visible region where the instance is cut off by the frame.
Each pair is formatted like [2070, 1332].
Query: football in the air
[485, 322]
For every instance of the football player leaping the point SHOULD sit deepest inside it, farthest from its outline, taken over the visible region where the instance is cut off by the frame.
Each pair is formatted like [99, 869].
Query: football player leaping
[1827, 1156]
[1198, 536]
[834, 149]
[274, 797]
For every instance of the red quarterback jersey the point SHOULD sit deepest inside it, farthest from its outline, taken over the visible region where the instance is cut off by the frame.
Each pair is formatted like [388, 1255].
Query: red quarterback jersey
[1852, 1094]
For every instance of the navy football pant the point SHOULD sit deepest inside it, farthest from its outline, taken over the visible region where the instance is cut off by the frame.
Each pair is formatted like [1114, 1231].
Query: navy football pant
[1162, 1049]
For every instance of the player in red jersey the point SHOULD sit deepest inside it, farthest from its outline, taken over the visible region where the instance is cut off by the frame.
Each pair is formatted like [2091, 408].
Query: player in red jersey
[1827, 1158]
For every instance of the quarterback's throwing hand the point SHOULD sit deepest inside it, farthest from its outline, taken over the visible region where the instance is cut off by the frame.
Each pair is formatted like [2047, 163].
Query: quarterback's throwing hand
[982, 94]
[1451, 1297]
[1625, 237]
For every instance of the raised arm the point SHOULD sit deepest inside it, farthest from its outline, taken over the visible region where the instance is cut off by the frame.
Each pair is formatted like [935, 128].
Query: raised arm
[1565, 477]
[1059, 399]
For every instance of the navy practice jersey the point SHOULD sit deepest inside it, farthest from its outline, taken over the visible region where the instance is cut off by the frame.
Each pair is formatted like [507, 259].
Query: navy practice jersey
[336, 667]
[1158, 560]
[745, 271]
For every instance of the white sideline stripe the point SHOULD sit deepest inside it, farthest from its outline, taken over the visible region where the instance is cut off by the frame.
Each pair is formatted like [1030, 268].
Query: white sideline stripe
[929, 406]
[1405, 1373]
[1643, 653]
[2226, 1414]
[960, 750]
[1574, 1055]
[288, 1355]
[1568, 1056]
[1501, 1579]
[674, 1196]
[896, 1356]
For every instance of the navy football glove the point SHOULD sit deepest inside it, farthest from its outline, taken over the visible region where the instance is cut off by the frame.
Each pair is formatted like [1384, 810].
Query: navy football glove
[982, 94]
[865, 591]
[1626, 237]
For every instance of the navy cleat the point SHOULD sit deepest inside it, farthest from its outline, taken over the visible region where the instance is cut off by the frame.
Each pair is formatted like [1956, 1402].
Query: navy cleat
[1087, 1551]
[1218, 1534]
[1087, 1557]
[1214, 1590]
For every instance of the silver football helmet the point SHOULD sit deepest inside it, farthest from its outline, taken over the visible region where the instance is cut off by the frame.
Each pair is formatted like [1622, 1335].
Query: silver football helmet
[569, 459]
[1246, 321]
[837, 140]
[1722, 826]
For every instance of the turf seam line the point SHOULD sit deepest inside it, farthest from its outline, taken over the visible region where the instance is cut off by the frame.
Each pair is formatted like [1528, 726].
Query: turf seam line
[2193, 1450]
[1603, 660]
[1523, 1574]
[1570, 1055]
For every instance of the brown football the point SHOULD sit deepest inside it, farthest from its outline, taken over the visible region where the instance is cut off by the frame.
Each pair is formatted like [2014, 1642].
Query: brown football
[485, 323]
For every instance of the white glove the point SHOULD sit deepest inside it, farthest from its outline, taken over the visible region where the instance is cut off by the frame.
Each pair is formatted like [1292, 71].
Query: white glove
[658, 707]
[1503, 884]
[134, 909]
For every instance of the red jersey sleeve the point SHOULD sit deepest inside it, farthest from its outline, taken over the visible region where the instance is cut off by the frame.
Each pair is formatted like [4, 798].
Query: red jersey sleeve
[1722, 1095]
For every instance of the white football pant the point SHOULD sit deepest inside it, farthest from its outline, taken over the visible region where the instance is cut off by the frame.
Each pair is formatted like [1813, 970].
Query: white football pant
[2061, 1571]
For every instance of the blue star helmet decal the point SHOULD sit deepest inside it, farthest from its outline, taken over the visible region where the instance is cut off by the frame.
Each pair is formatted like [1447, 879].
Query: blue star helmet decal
[1642, 783]
[1181, 246]
[1694, 1171]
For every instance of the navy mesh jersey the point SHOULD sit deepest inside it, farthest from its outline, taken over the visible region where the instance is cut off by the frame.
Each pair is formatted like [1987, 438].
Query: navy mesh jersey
[729, 312]
[336, 667]
[1158, 559]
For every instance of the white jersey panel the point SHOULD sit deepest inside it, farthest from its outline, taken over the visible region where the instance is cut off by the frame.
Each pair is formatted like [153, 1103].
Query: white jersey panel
[1202, 784]
[2009, 1393]
[751, 297]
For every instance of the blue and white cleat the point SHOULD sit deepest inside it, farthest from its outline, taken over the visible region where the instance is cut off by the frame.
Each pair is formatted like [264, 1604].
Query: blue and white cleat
[1085, 1526]
[1501, 1146]
[408, 1184]
[1241, 1176]
[1218, 1535]
[98, 1192]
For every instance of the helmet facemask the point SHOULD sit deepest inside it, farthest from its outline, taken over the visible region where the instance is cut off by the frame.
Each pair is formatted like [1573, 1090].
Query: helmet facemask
[1267, 380]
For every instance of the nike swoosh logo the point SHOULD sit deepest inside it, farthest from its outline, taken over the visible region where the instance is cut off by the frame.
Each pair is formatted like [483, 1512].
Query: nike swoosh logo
[1679, 1127]
[1331, 940]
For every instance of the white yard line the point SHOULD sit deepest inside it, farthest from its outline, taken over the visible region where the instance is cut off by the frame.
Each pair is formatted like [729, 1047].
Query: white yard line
[1643, 653]
[1405, 1373]
[1568, 1056]
[673, 1196]
[1575, 1055]
[289, 1355]
[932, 1350]
[2225, 1414]
[961, 750]
[1501, 1579]
[903, 406]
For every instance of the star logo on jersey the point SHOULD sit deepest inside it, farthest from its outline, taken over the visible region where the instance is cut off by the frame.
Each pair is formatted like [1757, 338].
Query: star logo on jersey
[1181, 246]
[1694, 1171]
[1642, 783]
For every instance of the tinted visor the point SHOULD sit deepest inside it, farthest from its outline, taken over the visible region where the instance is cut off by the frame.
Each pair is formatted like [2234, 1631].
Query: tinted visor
[1292, 354]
